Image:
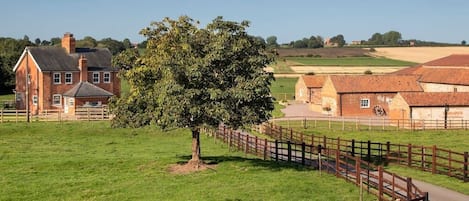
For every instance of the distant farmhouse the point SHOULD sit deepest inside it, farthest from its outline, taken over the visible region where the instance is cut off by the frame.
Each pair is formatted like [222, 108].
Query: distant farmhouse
[64, 77]
[434, 90]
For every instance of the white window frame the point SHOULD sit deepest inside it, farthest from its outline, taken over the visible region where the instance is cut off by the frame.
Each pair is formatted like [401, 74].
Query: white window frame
[365, 103]
[35, 100]
[108, 78]
[60, 100]
[95, 73]
[71, 78]
[59, 77]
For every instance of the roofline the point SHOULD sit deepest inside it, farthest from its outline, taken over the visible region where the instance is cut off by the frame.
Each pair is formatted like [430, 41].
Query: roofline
[26, 50]
[459, 84]
[357, 92]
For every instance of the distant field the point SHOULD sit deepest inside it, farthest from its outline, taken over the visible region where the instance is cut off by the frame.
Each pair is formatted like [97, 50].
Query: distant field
[323, 52]
[349, 61]
[419, 54]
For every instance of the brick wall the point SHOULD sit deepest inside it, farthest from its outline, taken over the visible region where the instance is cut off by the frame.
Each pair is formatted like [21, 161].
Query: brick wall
[350, 103]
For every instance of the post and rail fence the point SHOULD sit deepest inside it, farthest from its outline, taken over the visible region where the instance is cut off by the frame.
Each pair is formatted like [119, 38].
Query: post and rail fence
[426, 158]
[83, 114]
[385, 185]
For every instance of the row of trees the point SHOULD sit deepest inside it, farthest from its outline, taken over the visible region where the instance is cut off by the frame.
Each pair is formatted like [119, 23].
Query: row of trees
[11, 49]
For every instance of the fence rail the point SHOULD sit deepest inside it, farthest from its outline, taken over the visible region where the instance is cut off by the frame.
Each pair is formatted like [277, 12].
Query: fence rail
[85, 114]
[371, 123]
[386, 185]
[432, 159]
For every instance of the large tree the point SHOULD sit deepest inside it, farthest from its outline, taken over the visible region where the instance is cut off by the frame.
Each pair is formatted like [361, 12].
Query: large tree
[194, 77]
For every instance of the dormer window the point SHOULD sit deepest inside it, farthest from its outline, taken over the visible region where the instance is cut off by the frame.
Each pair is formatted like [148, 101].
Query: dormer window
[56, 78]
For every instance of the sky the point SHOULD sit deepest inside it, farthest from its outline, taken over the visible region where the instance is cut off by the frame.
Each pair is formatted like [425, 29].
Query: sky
[430, 20]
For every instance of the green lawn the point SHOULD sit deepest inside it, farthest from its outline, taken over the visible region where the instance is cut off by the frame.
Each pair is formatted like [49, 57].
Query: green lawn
[349, 61]
[91, 161]
[283, 88]
[281, 66]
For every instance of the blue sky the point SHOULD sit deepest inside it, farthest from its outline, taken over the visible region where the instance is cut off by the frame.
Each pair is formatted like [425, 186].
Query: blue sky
[432, 20]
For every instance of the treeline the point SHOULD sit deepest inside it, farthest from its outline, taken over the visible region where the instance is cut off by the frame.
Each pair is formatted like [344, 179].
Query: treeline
[11, 49]
[390, 38]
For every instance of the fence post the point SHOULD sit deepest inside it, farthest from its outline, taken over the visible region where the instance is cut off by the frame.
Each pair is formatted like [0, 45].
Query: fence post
[238, 146]
[466, 156]
[368, 153]
[380, 182]
[338, 144]
[265, 149]
[291, 134]
[325, 141]
[433, 159]
[422, 158]
[319, 158]
[357, 170]
[280, 138]
[388, 150]
[102, 113]
[276, 150]
[247, 144]
[337, 163]
[303, 149]
[255, 145]
[289, 150]
[353, 147]
[1, 115]
[409, 155]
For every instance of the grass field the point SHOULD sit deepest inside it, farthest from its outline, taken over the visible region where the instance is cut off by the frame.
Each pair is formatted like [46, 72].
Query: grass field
[91, 161]
[349, 61]
[419, 54]
[283, 88]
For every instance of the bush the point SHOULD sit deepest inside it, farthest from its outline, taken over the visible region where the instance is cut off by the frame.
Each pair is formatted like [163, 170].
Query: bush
[368, 72]
[310, 73]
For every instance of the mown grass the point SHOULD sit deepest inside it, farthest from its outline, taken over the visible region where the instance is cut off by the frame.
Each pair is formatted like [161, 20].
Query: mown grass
[349, 61]
[456, 140]
[91, 161]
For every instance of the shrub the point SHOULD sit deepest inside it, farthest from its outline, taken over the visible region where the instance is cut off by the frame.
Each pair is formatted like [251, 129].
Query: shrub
[368, 72]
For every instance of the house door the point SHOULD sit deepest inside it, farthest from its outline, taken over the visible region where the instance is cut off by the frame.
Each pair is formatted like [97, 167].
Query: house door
[66, 100]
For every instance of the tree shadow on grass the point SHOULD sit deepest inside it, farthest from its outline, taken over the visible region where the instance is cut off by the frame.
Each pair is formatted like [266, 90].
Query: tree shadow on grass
[268, 164]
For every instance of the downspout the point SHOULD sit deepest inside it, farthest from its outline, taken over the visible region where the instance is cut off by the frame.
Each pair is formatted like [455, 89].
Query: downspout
[340, 103]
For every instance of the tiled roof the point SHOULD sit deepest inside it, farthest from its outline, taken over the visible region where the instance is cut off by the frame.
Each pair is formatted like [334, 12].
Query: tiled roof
[436, 98]
[375, 83]
[57, 59]
[458, 60]
[86, 89]
[453, 69]
[314, 81]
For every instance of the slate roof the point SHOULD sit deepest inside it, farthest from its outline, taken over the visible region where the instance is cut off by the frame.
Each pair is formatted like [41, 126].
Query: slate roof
[375, 83]
[453, 69]
[86, 89]
[314, 81]
[429, 99]
[57, 59]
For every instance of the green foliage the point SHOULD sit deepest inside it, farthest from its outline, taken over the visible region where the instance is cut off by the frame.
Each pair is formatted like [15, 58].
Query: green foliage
[114, 46]
[339, 39]
[87, 42]
[463, 42]
[389, 38]
[91, 161]
[349, 61]
[10, 52]
[368, 72]
[190, 76]
[126, 59]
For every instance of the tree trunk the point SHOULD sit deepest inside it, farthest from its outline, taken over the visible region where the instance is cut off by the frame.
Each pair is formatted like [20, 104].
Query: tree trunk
[195, 148]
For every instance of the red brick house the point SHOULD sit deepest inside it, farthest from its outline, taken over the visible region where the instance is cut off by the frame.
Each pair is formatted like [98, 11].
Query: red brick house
[364, 95]
[308, 90]
[65, 77]
[447, 74]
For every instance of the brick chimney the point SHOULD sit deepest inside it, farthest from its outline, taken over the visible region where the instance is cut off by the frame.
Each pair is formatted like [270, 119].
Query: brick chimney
[83, 65]
[68, 42]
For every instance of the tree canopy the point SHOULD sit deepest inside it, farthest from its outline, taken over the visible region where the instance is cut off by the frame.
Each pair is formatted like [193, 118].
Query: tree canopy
[193, 77]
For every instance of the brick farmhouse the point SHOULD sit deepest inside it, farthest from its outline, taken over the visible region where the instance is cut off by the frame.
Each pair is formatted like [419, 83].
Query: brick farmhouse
[64, 77]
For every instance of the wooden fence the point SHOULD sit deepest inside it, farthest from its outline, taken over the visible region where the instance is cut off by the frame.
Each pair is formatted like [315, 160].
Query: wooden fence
[432, 159]
[84, 114]
[374, 123]
[386, 185]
